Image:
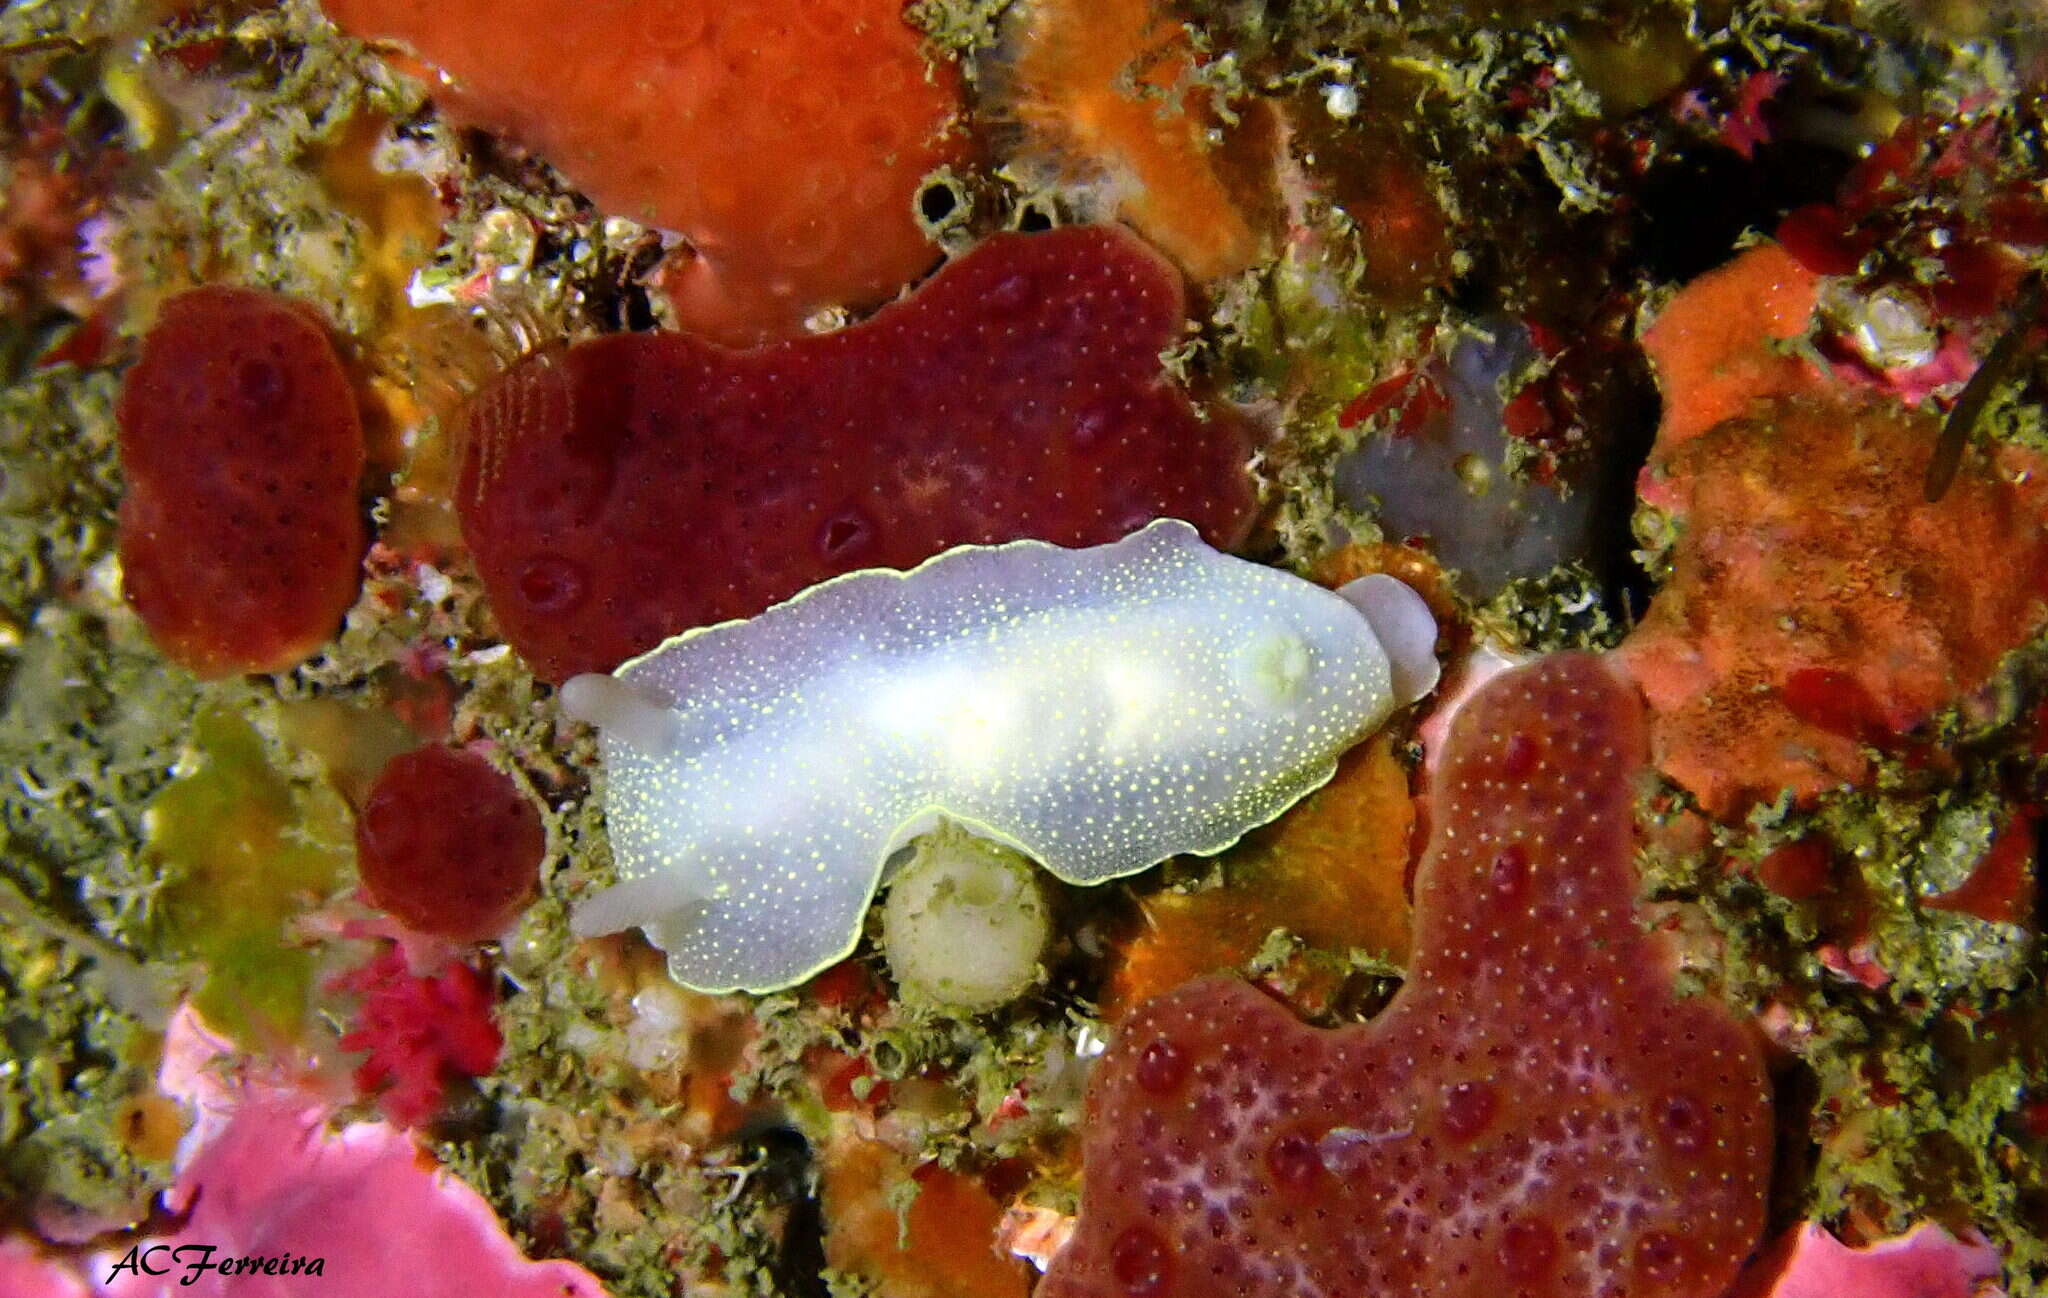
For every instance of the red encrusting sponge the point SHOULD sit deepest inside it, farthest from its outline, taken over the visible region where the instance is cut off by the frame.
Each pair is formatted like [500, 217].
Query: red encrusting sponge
[241, 535]
[1536, 1115]
[448, 845]
[625, 489]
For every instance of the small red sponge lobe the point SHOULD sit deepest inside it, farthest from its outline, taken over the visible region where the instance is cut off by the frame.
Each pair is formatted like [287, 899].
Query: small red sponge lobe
[626, 489]
[241, 536]
[1535, 1115]
[448, 845]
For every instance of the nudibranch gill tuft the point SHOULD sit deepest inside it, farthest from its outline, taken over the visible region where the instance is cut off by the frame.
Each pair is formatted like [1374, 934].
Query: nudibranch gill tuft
[1098, 709]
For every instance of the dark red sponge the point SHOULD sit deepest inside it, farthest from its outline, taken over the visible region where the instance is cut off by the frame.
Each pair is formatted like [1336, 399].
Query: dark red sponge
[625, 489]
[448, 845]
[1536, 1114]
[241, 535]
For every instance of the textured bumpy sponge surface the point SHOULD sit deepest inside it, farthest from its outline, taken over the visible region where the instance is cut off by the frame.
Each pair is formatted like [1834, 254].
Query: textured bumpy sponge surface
[241, 534]
[626, 489]
[1536, 1114]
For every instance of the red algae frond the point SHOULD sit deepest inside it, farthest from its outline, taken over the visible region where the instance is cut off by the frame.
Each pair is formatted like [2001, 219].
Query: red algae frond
[1535, 1113]
[785, 141]
[626, 489]
[1104, 85]
[241, 535]
[421, 1033]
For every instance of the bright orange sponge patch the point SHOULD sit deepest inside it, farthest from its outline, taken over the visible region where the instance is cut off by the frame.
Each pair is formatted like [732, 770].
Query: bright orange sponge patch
[785, 141]
[1106, 86]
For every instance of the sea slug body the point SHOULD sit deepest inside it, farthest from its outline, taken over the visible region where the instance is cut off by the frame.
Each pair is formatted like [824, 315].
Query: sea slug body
[1099, 709]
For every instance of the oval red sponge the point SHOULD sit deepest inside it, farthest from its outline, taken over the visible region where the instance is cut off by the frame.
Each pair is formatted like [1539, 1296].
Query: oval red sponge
[241, 535]
[448, 845]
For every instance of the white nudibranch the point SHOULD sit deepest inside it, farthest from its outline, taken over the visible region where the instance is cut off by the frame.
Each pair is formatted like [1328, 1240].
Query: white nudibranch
[1098, 710]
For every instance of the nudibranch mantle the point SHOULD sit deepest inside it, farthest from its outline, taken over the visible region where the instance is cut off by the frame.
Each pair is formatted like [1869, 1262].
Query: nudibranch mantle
[1098, 709]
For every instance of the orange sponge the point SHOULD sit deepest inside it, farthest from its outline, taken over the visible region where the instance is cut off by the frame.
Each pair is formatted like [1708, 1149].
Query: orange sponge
[1102, 83]
[786, 141]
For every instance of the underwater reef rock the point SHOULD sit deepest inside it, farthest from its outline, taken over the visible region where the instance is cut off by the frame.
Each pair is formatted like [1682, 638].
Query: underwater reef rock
[1817, 602]
[785, 141]
[241, 536]
[1443, 471]
[448, 845]
[629, 488]
[1535, 1112]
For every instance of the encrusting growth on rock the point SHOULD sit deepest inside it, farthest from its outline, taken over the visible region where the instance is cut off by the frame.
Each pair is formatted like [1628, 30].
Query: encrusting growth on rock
[241, 536]
[1818, 604]
[785, 141]
[1536, 1114]
[1107, 88]
[630, 488]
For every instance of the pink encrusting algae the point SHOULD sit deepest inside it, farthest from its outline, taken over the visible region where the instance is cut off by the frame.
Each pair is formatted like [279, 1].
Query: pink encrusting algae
[1535, 1115]
[626, 489]
[262, 1178]
[1925, 1262]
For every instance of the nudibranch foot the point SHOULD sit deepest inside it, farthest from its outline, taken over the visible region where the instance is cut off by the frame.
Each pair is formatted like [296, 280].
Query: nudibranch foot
[1098, 709]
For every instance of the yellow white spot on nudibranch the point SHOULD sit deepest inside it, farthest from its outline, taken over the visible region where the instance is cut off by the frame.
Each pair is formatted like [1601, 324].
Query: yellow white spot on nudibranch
[1100, 710]
[1273, 666]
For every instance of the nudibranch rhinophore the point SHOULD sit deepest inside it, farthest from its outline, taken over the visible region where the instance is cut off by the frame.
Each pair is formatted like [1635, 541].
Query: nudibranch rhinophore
[1098, 709]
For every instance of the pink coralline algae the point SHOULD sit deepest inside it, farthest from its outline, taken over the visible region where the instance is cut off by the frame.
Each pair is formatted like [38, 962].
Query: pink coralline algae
[1535, 1115]
[628, 488]
[26, 1273]
[422, 1032]
[262, 1179]
[1925, 1262]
